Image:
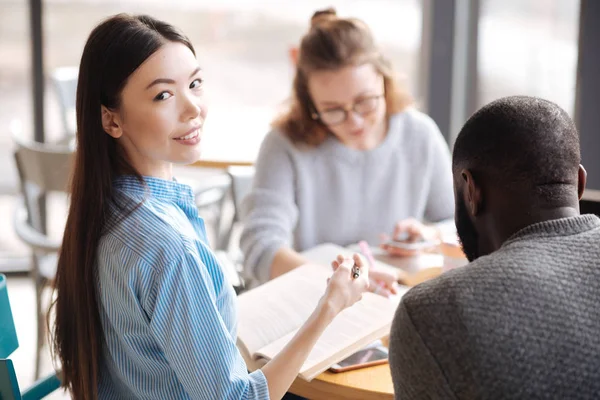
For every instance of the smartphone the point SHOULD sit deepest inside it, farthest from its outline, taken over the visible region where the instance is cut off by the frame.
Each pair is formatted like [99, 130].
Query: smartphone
[418, 244]
[362, 358]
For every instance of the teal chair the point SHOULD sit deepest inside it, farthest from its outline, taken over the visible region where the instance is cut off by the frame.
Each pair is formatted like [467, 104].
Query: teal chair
[9, 387]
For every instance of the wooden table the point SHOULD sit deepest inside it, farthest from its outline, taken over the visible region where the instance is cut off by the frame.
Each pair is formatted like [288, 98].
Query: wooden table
[366, 383]
[360, 384]
[221, 163]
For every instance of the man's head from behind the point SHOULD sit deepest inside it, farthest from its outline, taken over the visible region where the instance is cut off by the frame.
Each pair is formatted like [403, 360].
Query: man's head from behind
[515, 162]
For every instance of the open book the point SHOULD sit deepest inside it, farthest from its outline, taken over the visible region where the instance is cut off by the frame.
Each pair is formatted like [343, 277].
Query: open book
[271, 314]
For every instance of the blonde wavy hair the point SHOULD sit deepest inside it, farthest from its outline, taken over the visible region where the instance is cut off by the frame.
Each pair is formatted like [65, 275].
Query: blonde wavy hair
[330, 44]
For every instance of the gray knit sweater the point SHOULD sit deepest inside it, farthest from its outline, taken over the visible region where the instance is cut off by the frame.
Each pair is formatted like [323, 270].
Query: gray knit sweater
[303, 197]
[521, 323]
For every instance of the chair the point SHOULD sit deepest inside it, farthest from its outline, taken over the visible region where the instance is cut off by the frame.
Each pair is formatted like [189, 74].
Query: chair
[241, 183]
[210, 188]
[42, 168]
[64, 80]
[231, 256]
[9, 386]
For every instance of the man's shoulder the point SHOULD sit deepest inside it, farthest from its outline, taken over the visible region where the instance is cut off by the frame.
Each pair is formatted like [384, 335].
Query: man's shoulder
[483, 284]
[454, 289]
[441, 288]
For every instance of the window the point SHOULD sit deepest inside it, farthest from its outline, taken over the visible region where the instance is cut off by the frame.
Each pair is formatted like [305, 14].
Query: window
[528, 47]
[242, 45]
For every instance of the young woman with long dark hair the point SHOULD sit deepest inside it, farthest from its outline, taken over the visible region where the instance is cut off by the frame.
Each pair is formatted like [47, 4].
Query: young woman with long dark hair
[143, 309]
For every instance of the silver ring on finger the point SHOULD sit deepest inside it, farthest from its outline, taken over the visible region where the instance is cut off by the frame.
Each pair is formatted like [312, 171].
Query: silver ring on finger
[355, 271]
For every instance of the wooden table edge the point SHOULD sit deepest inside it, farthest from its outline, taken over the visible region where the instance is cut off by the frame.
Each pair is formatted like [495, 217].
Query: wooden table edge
[221, 164]
[319, 389]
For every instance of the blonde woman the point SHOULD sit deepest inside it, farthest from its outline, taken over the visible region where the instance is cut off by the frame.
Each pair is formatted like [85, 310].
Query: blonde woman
[349, 160]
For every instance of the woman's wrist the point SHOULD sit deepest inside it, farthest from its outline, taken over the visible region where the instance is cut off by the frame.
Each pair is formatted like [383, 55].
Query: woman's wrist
[327, 309]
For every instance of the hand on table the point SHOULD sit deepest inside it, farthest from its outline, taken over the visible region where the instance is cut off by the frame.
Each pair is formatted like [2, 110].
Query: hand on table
[409, 230]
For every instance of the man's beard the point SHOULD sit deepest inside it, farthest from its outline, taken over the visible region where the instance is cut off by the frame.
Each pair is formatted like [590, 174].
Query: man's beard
[469, 238]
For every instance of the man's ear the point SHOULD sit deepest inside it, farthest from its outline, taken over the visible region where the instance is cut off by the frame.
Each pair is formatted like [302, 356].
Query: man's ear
[111, 122]
[472, 193]
[582, 179]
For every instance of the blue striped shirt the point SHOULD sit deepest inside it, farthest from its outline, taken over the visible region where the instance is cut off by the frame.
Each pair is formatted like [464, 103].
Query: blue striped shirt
[168, 312]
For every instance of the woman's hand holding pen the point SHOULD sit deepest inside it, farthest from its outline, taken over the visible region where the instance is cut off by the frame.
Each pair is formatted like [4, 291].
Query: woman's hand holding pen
[349, 281]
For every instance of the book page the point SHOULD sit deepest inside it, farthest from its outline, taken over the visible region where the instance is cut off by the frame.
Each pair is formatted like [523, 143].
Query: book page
[279, 307]
[357, 326]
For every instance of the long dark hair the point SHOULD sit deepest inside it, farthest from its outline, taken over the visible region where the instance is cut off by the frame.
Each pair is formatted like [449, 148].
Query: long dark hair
[114, 50]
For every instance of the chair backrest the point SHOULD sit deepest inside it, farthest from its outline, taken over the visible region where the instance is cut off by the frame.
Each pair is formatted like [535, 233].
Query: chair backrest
[42, 168]
[9, 386]
[45, 165]
[8, 333]
[64, 80]
[241, 184]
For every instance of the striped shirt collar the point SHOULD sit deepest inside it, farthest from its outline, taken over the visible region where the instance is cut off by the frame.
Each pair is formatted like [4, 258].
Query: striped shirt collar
[161, 189]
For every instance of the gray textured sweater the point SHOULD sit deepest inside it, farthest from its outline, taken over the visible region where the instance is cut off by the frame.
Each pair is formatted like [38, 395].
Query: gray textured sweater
[520, 323]
[303, 196]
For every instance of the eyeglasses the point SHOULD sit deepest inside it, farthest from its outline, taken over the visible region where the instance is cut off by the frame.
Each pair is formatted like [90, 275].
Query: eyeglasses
[336, 116]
